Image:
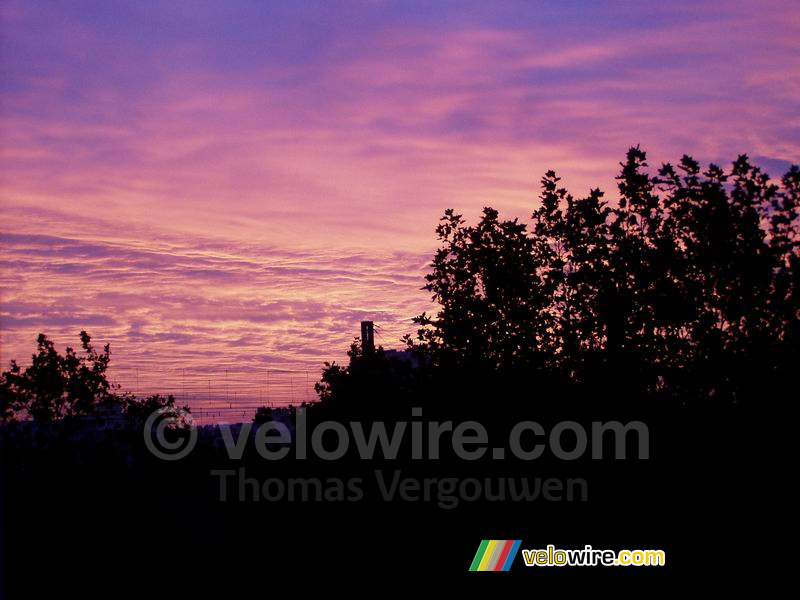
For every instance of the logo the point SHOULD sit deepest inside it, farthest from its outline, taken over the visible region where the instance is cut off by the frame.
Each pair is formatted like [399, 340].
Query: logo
[169, 418]
[495, 555]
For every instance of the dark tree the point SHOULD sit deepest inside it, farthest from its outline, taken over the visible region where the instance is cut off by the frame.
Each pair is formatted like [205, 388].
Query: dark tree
[55, 386]
[138, 410]
[486, 281]
[263, 415]
[685, 287]
[370, 383]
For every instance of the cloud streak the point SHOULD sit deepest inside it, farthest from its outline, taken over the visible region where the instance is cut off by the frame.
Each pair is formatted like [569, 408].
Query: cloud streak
[233, 183]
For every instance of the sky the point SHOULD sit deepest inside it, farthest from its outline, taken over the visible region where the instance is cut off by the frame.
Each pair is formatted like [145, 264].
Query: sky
[228, 188]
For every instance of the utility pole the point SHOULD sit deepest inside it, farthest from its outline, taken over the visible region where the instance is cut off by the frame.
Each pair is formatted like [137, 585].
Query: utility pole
[367, 337]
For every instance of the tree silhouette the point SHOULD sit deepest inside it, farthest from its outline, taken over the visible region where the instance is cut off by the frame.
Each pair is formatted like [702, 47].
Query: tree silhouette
[686, 287]
[263, 415]
[55, 386]
[138, 410]
[353, 389]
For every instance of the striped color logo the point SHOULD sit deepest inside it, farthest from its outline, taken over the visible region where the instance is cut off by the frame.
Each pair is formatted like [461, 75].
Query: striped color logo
[495, 555]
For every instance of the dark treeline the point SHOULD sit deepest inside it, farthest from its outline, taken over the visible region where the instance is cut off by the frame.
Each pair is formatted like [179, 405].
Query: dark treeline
[684, 290]
[65, 387]
[675, 305]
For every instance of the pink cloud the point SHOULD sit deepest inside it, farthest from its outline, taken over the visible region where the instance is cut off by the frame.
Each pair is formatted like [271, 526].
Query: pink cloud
[230, 181]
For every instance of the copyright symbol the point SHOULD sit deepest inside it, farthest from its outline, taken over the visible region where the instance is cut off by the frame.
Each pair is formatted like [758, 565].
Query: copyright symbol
[167, 450]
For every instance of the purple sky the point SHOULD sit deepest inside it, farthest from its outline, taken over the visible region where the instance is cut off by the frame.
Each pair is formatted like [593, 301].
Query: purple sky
[234, 185]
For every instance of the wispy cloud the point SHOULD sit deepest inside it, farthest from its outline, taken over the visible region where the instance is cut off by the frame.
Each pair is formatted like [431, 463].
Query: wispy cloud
[242, 182]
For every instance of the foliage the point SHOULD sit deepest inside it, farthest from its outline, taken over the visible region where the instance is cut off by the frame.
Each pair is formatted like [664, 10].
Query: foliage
[72, 385]
[138, 411]
[56, 386]
[686, 287]
[353, 388]
[263, 415]
[672, 289]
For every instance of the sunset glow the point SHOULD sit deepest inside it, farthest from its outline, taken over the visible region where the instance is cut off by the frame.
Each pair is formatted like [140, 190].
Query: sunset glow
[221, 189]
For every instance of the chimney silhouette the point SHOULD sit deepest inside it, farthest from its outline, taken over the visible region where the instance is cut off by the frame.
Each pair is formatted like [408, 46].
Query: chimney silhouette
[367, 337]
